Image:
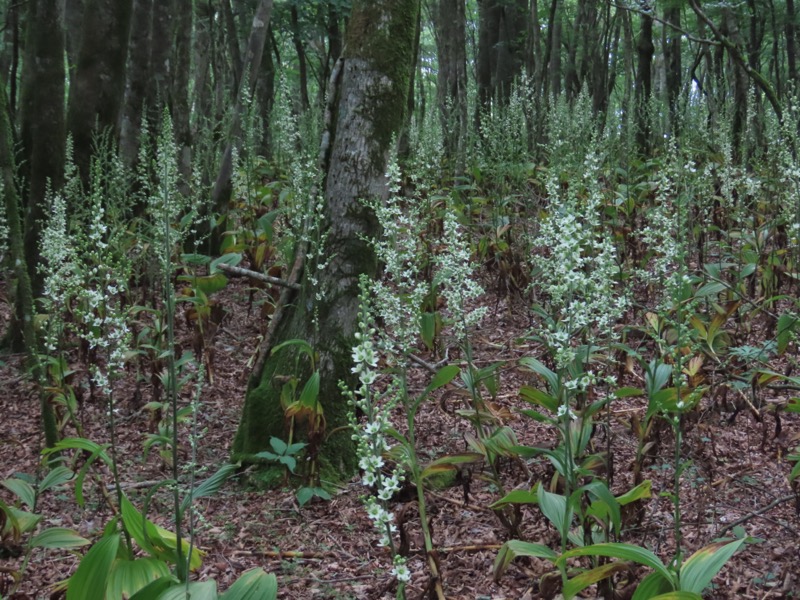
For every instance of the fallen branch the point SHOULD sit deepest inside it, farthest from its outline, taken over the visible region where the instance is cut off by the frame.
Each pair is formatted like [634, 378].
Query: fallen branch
[240, 272]
[755, 513]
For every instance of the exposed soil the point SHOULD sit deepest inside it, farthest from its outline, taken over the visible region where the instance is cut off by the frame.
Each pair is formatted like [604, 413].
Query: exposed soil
[329, 550]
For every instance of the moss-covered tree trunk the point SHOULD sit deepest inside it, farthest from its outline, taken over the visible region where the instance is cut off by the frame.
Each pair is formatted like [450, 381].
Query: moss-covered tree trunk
[369, 111]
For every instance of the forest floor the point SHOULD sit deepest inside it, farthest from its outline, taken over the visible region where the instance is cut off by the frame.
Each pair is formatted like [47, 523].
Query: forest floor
[328, 550]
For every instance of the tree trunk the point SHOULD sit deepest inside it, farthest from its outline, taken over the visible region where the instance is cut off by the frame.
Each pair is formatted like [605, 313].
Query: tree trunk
[42, 121]
[23, 318]
[451, 90]
[97, 89]
[301, 58]
[179, 90]
[255, 51]
[232, 37]
[672, 57]
[161, 66]
[643, 84]
[138, 81]
[369, 112]
[791, 55]
[73, 18]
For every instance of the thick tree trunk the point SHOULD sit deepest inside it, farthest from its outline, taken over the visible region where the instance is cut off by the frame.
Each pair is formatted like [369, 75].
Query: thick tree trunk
[42, 120]
[73, 18]
[137, 82]
[179, 90]
[451, 48]
[97, 89]
[369, 112]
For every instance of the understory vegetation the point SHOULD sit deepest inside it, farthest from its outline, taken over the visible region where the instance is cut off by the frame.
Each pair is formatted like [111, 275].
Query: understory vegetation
[648, 300]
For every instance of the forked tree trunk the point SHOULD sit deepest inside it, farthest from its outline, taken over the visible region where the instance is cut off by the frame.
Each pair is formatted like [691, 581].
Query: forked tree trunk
[368, 114]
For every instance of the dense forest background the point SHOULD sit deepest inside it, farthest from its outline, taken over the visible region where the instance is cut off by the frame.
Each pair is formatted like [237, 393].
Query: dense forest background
[526, 269]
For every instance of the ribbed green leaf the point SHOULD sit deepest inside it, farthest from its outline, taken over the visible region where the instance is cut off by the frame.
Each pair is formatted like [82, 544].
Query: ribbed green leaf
[629, 552]
[514, 548]
[205, 590]
[702, 566]
[23, 490]
[587, 578]
[90, 580]
[59, 538]
[254, 584]
[130, 576]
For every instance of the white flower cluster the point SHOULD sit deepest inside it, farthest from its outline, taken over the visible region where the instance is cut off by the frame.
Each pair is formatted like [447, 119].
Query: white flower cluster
[455, 269]
[400, 294]
[579, 272]
[371, 437]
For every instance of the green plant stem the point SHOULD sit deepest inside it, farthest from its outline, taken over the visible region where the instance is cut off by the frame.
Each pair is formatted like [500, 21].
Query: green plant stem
[172, 391]
[114, 469]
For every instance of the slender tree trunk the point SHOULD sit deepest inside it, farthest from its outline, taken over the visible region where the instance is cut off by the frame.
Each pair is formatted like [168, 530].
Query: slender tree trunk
[369, 113]
[301, 58]
[404, 140]
[179, 93]
[98, 87]
[555, 58]
[255, 51]
[161, 66]
[21, 331]
[791, 50]
[43, 131]
[671, 43]
[643, 85]
[232, 37]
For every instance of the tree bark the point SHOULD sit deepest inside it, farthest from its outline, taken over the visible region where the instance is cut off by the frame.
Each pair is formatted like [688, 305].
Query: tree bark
[672, 57]
[255, 50]
[97, 89]
[451, 90]
[42, 128]
[369, 112]
[22, 325]
[643, 84]
[791, 50]
[301, 57]
[138, 81]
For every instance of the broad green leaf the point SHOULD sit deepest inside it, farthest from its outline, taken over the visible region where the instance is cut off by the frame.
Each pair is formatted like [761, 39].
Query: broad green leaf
[91, 578]
[197, 590]
[537, 367]
[22, 520]
[587, 578]
[231, 259]
[605, 505]
[628, 392]
[305, 494]
[554, 507]
[207, 284]
[787, 323]
[278, 445]
[652, 586]
[267, 221]
[155, 588]
[131, 576]
[442, 377]
[702, 566]
[310, 393]
[516, 497]
[539, 398]
[59, 538]
[677, 596]
[640, 492]
[254, 584]
[514, 548]
[449, 462]
[636, 554]
[22, 489]
[427, 329]
[210, 486]
[55, 477]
